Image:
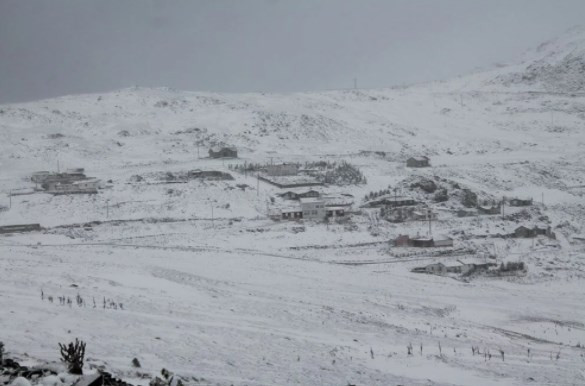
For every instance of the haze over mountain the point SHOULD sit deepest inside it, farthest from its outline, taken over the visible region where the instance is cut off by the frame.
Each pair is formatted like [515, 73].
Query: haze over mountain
[63, 47]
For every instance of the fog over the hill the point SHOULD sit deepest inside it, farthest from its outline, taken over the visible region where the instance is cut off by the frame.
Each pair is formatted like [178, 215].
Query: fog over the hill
[60, 47]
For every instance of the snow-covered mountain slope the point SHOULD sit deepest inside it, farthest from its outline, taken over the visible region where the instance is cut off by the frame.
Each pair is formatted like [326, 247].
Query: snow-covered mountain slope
[556, 66]
[484, 112]
[213, 288]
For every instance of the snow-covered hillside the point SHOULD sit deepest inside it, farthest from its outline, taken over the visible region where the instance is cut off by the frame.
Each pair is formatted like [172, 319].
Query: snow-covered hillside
[213, 288]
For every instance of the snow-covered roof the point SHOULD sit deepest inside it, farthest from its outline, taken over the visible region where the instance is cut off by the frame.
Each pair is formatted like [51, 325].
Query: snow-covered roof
[89, 180]
[308, 200]
[215, 149]
[298, 191]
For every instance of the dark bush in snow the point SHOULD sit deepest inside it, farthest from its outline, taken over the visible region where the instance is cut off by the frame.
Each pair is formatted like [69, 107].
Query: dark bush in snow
[73, 355]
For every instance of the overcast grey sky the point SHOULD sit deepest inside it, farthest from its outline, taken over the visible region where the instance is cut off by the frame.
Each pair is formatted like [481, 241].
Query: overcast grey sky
[52, 48]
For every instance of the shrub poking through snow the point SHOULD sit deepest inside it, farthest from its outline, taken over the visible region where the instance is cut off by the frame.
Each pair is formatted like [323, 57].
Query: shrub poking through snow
[73, 355]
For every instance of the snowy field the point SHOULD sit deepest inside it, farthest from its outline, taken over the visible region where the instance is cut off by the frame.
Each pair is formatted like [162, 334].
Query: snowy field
[211, 287]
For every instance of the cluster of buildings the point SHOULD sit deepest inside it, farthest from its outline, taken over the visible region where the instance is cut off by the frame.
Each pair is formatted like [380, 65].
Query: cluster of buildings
[72, 181]
[460, 267]
[310, 205]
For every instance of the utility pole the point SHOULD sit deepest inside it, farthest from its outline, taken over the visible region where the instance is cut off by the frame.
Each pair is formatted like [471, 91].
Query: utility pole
[503, 204]
[58, 171]
[258, 184]
[198, 150]
[430, 220]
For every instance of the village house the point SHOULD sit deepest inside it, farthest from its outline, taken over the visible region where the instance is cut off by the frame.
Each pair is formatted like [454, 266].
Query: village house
[422, 242]
[520, 202]
[282, 170]
[223, 152]
[87, 186]
[309, 208]
[443, 241]
[313, 208]
[524, 232]
[47, 179]
[20, 228]
[418, 162]
[462, 267]
[402, 241]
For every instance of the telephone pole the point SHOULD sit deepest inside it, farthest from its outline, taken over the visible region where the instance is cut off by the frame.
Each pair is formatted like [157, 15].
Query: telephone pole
[430, 221]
